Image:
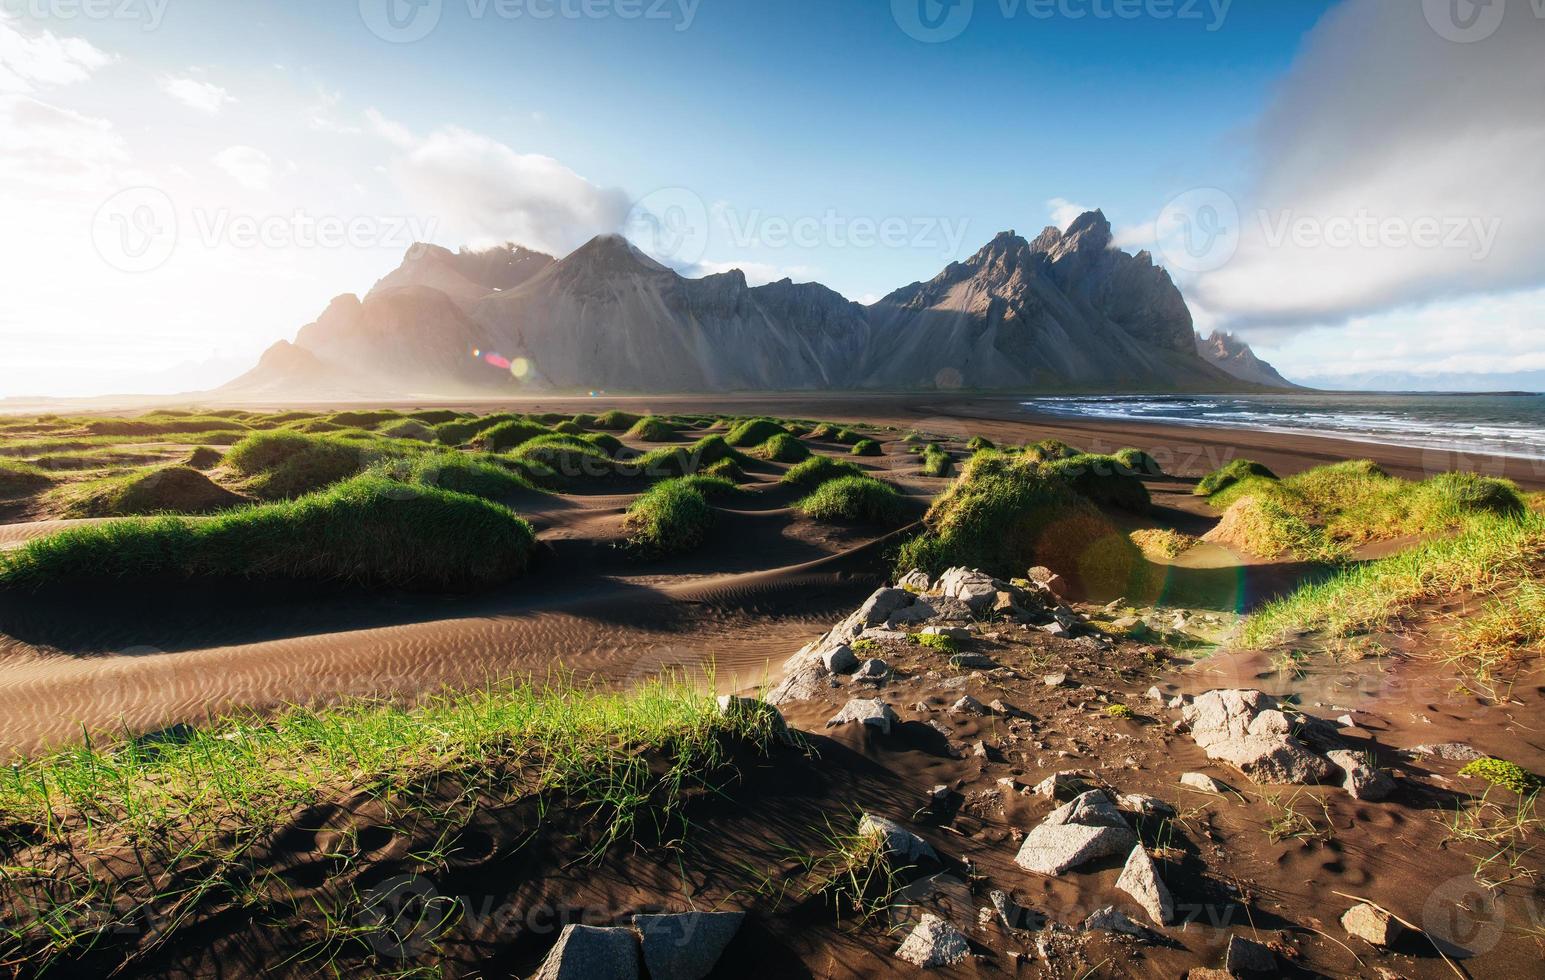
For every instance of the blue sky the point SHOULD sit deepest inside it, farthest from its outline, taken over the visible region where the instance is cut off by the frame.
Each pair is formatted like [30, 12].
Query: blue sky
[795, 126]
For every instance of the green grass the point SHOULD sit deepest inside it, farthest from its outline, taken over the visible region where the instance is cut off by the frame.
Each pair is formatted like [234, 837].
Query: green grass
[198, 812]
[584, 420]
[1226, 476]
[568, 428]
[1500, 773]
[979, 443]
[1508, 624]
[683, 460]
[1050, 450]
[818, 469]
[616, 420]
[1138, 462]
[672, 517]
[1489, 555]
[157, 490]
[414, 429]
[652, 429]
[458, 431]
[711, 487]
[508, 435]
[282, 465]
[368, 531]
[364, 419]
[726, 469]
[488, 477]
[937, 641]
[867, 447]
[1103, 479]
[1162, 542]
[753, 432]
[936, 462]
[159, 425]
[782, 448]
[854, 498]
[22, 479]
[1005, 513]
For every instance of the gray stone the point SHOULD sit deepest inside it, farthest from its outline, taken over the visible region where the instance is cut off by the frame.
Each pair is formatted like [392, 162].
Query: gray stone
[1245, 957]
[914, 581]
[970, 661]
[1054, 629]
[872, 712]
[878, 633]
[1245, 729]
[881, 605]
[1055, 680]
[1048, 580]
[592, 953]
[1092, 809]
[900, 843]
[976, 589]
[806, 681]
[1203, 782]
[1064, 785]
[1448, 751]
[1112, 919]
[934, 943]
[1372, 925]
[967, 705]
[687, 945]
[1147, 806]
[952, 632]
[1362, 781]
[921, 610]
[840, 659]
[1140, 879]
[1015, 917]
[1155, 695]
[873, 669]
[1004, 709]
[1051, 849]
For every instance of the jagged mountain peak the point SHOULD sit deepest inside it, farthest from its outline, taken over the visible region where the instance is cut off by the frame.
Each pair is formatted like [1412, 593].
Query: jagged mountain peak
[609, 254]
[1233, 355]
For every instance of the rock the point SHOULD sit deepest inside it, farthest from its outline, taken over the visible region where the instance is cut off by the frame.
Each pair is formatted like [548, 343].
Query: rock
[873, 669]
[1053, 849]
[1140, 879]
[881, 605]
[1155, 695]
[1064, 785]
[1147, 806]
[1055, 680]
[1362, 781]
[967, 705]
[921, 610]
[840, 659]
[1245, 729]
[1066, 617]
[872, 712]
[900, 843]
[731, 706]
[939, 795]
[1053, 629]
[981, 750]
[976, 589]
[1112, 919]
[687, 945]
[1203, 782]
[592, 953]
[1015, 917]
[1092, 809]
[1048, 580]
[953, 632]
[878, 633]
[1245, 957]
[1177, 702]
[1004, 709]
[1448, 751]
[806, 681]
[934, 943]
[915, 581]
[1372, 925]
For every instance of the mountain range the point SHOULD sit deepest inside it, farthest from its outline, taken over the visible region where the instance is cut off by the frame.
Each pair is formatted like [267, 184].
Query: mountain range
[1065, 311]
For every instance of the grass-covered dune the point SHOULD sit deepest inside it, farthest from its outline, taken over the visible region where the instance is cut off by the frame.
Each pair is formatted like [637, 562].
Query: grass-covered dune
[670, 518]
[370, 531]
[21, 479]
[1106, 480]
[652, 428]
[854, 498]
[817, 470]
[782, 448]
[164, 490]
[936, 462]
[753, 432]
[289, 464]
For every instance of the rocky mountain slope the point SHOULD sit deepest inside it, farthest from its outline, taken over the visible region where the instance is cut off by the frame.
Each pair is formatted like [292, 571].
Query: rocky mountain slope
[1233, 355]
[1065, 311]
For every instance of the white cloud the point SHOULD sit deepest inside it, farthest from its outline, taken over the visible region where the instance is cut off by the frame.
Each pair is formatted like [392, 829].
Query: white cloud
[1063, 212]
[248, 166]
[31, 61]
[46, 146]
[1382, 119]
[203, 96]
[494, 193]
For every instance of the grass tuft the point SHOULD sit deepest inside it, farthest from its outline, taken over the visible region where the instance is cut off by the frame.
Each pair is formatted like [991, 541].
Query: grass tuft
[1226, 476]
[672, 517]
[867, 447]
[854, 498]
[782, 448]
[818, 469]
[158, 490]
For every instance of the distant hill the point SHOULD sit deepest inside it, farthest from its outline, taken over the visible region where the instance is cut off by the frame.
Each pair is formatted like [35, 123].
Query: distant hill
[1067, 310]
[1233, 355]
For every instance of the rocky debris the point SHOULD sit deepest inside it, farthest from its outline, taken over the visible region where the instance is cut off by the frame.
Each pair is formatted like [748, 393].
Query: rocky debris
[971, 661]
[873, 669]
[976, 589]
[1155, 695]
[731, 706]
[687, 945]
[952, 632]
[1140, 879]
[1055, 680]
[1112, 919]
[1246, 956]
[1048, 580]
[1362, 782]
[804, 681]
[1447, 751]
[1088, 828]
[1145, 806]
[872, 712]
[934, 943]
[1066, 785]
[1004, 710]
[914, 581]
[899, 843]
[1203, 782]
[1372, 925]
[1245, 729]
[592, 953]
[1015, 917]
[840, 659]
[939, 795]
[879, 633]
[967, 705]
[1054, 629]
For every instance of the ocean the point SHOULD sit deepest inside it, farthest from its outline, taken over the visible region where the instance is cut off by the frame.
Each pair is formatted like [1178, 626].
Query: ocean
[1483, 424]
